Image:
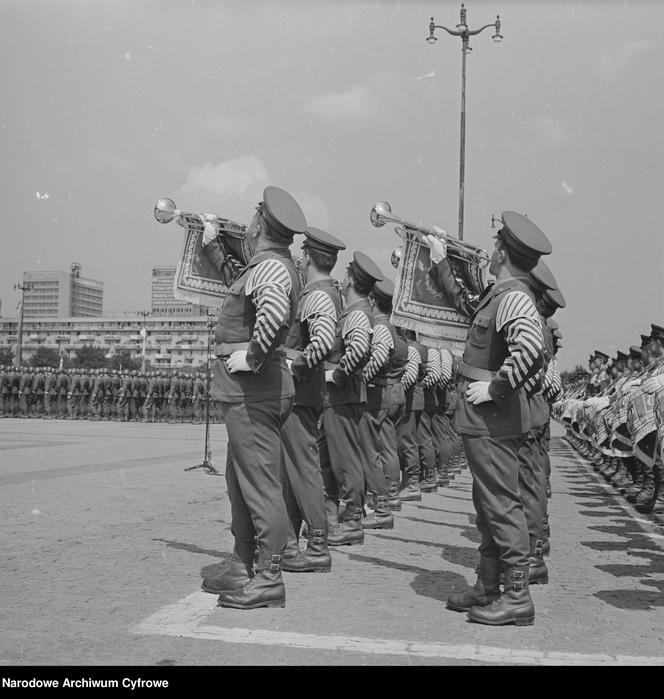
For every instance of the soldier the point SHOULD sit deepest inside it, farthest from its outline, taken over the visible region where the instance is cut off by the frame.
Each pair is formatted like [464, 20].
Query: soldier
[152, 392]
[311, 337]
[255, 386]
[441, 427]
[124, 397]
[163, 411]
[61, 389]
[532, 477]
[338, 442]
[38, 388]
[5, 391]
[386, 402]
[25, 393]
[14, 382]
[432, 375]
[198, 398]
[95, 384]
[503, 350]
[374, 374]
[50, 382]
[407, 430]
[140, 394]
[74, 394]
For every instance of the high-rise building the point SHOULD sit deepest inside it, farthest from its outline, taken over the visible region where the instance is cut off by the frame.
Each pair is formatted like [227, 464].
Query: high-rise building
[163, 300]
[62, 294]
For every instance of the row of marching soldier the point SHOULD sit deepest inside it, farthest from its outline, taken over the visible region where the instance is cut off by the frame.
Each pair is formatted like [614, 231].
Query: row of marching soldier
[335, 417]
[104, 394]
[614, 415]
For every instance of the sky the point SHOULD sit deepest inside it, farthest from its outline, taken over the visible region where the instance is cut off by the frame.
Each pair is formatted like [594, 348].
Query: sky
[109, 105]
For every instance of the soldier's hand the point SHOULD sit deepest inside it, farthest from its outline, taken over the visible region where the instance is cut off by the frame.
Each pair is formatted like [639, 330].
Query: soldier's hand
[238, 362]
[209, 233]
[437, 246]
[478, 392]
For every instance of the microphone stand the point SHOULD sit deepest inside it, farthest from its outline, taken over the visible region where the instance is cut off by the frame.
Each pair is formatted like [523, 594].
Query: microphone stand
[207, 457]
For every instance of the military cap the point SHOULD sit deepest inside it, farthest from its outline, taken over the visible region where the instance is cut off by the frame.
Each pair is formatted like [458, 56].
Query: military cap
[542, 278]
[657, 332]
[316, 239]
[645, 339]
[635, 351]
[282, 213]
[554, 297]
[522, 236]
[601, 355]
[383, 290]
[621, 356]
[365, 269]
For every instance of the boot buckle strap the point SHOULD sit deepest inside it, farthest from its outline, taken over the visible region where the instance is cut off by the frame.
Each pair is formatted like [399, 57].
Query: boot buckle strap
[274, 562]
[518, 584]
[317, 536]
[538, 547]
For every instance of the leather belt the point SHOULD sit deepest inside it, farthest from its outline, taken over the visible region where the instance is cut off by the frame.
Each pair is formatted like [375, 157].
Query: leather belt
[474, 373]
[225, 349]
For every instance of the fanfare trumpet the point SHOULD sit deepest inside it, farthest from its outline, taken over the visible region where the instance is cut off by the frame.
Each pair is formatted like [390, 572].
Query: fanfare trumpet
[165, 212]
[381, 213]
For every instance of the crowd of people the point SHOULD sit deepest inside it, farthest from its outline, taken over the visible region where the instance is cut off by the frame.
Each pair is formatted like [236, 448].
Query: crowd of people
[614, 415]
[105, 394]
[336, 418]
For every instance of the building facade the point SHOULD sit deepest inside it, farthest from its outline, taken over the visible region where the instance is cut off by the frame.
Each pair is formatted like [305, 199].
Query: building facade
[170, 341]
[61, 294]
[163, 299]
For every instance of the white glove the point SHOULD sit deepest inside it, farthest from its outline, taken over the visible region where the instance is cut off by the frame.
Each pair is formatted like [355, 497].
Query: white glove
[209, 233]
[437, 246]
[238, 362]
[651, 385]
[478, 392]
[289, 364]
[328, 375]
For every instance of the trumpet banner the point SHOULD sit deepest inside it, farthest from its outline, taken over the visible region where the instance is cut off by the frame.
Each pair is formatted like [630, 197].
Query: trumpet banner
[196, 280]
[420, 306]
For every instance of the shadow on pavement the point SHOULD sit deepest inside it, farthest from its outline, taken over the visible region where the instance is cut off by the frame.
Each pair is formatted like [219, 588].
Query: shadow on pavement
[436, 584]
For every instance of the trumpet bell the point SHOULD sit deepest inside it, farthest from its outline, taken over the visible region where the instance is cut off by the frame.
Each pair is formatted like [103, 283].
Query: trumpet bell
[164, 210]
[380, 213]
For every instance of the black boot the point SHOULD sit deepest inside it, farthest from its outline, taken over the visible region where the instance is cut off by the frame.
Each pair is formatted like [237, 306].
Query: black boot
[647, 492]
[442, 479]
[620, 478]
[265, 589]
[647, 505]
[637, 481]
[393, 499]
[515, 606]
[485, 591]
[349, 532]
[412, 491]
[315, 558]
[381, 517]
[538, 573]
[236, 572]
[429, 485]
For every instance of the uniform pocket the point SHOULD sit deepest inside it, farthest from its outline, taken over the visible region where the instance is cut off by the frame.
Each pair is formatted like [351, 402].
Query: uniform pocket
[479, 331]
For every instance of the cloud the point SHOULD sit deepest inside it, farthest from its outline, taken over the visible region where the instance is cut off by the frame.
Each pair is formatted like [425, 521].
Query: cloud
[232, 189]
[355, 104]
[611, 64]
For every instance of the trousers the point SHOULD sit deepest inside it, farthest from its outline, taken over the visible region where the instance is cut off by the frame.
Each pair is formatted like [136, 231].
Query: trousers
[253, 472]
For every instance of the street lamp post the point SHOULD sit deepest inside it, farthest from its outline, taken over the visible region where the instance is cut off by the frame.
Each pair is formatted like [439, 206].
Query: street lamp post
[465, 33]
[26, 286]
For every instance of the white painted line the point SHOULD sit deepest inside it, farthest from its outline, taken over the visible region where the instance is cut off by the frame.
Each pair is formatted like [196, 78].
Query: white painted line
[183, 619]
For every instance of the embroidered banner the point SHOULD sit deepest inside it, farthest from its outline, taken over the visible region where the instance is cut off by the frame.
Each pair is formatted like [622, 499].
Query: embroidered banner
[196, 280]
[420, 306]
